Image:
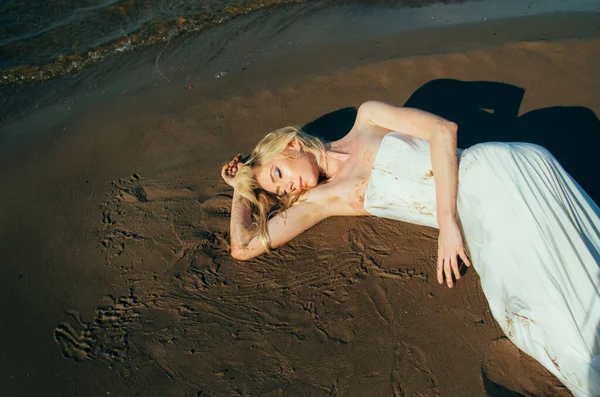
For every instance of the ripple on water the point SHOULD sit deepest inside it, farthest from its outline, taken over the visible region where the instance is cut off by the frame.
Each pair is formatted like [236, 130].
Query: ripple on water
[38, 42]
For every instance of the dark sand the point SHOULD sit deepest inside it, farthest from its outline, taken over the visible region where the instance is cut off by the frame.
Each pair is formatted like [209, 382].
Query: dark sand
[116, 278]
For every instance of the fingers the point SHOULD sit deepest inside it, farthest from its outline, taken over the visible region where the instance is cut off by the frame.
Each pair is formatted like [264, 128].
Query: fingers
[464, 257]
[454, 266]
[225, 171]
[444, 271]
[231, 168]
[236, 159]
[448, 273]
[447, 267]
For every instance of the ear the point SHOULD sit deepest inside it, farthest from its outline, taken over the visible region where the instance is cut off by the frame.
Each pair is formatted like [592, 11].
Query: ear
[294, 144]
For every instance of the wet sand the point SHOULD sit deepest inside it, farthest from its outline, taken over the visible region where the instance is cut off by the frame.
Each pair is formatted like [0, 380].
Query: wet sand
[114, 222]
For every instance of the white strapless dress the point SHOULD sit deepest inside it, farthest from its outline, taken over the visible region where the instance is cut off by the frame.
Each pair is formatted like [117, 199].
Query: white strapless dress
[533, 236]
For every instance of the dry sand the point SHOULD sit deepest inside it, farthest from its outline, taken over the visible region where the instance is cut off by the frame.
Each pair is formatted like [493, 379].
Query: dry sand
[116, 278]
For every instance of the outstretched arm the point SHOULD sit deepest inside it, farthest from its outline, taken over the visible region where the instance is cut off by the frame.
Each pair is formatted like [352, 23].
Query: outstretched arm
[441, 135]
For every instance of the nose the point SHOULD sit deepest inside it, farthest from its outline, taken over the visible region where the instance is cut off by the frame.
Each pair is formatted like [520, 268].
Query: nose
[290, 187]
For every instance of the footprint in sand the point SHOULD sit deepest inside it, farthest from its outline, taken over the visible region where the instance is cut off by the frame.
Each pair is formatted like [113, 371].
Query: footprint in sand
[411, 375]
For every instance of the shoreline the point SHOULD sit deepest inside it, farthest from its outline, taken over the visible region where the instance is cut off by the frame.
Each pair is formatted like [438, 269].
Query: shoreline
[26, 109]
[108, 293]
[163, 31]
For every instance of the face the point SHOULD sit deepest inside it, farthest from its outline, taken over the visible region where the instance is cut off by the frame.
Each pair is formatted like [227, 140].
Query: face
[284, 175]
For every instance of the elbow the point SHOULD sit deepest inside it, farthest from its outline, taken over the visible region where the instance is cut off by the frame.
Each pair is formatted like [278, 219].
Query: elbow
[243, 253]
[445, 131]
[450, 127]
[239, 254]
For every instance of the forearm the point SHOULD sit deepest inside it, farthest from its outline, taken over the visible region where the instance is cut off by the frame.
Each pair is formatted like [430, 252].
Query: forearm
[245, 244]
[441, 135]
[241, 226]
[444, 163]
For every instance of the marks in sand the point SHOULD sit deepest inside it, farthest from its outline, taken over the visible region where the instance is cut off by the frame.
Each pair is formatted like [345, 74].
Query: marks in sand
[411, 375]
[105, 338]
[223, 326]
[149, 225]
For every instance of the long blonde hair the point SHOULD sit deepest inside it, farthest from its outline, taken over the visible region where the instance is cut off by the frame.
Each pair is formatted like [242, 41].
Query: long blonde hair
[265, 205]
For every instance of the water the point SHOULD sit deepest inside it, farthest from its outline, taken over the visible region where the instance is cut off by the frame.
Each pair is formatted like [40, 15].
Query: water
[44, 39]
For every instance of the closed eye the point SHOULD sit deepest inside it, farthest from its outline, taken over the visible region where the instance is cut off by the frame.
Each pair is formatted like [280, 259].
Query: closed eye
[276, 174]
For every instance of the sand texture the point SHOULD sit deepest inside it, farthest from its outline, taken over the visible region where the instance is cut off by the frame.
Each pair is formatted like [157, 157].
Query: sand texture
[116, 273]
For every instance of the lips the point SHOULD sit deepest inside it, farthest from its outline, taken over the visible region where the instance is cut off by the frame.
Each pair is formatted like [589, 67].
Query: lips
[301, 184]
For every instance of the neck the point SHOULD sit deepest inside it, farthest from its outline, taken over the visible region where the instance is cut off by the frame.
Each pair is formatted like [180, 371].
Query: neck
[334, 162]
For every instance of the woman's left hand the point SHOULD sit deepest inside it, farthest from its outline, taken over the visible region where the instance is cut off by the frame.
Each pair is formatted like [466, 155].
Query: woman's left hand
[450, 248]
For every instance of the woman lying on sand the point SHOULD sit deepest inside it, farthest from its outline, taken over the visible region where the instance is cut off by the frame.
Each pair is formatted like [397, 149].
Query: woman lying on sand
[532, 233]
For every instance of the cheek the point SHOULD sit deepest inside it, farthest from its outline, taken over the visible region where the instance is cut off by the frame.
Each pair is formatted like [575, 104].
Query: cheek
[293, 168]
[300, 167]
[313, 170]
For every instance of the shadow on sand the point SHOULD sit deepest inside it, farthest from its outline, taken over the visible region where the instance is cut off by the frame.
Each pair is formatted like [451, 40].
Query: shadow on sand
[487, 111]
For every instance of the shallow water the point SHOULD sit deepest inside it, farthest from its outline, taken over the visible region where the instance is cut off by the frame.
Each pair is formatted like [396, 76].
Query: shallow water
[39, 40]
[35, 32]
[64, 32]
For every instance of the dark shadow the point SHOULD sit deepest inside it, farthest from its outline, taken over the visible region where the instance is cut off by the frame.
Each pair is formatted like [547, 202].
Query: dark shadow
[495, 390]
[332, 126]
[489, 111]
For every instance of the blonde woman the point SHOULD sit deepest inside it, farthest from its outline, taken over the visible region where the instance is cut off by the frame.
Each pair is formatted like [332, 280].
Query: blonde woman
[532, 233]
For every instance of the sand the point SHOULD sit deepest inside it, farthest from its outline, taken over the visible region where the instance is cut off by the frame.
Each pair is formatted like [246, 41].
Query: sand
[116, 276]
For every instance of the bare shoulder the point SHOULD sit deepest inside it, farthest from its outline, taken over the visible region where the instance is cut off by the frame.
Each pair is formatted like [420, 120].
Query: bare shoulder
[366, 134]
[370, 110]
[365, 128]
[362, 123]
[414, 122]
